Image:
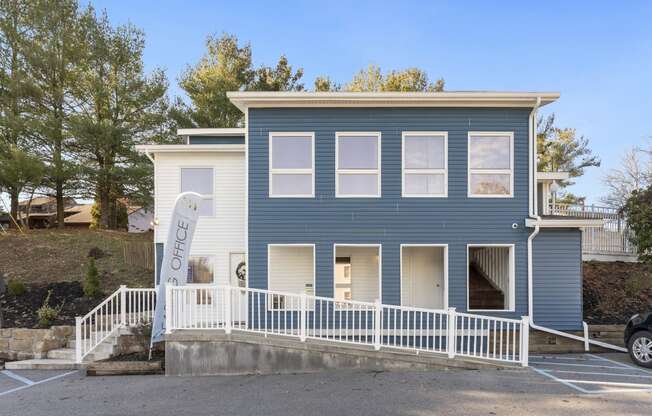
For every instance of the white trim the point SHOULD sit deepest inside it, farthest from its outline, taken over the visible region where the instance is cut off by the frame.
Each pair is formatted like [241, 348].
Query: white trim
[470, 171]
[260, 99]
[339, 171]
[564, 223]
[314, 262]
[405, 170]
[231, 253]
[512, 277]
[380, 265]
[271, 171]
[246, 192]
[203, 196]
[215, 132]
[552, 176]
[445, 247]
[189, 148]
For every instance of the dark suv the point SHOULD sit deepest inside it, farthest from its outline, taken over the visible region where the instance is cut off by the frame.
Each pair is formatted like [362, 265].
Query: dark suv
[638, 338]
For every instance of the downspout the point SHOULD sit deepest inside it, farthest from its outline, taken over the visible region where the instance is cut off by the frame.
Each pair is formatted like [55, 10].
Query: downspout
[534, 214]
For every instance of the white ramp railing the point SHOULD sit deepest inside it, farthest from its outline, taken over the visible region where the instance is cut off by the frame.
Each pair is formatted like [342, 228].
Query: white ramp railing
[372, 324]
[123, 308]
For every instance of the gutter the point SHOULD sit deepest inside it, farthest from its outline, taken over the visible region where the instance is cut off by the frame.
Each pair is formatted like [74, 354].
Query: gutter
[534, 214]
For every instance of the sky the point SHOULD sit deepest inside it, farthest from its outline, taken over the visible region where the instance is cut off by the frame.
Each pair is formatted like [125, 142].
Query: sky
[598, 55]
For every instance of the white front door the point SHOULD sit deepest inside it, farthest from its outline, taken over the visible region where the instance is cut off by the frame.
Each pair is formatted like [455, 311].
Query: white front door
[238, 279]
[423, 277]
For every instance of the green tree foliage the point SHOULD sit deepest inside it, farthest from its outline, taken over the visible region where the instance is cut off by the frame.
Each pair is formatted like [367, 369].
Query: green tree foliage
[119, 107]
[16, 93]
[406, 80]
[325, 84]
[638, 210]
[20, 171]
[92, 280]
[227, 66]
[54, 57]
[562, 150]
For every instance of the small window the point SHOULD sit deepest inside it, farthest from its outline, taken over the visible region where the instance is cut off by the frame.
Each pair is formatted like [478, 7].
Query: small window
[291, 165]
[200, 271]
[491, 277]
[425, 167]
[199, 180]
[491, 164]
[357, 165]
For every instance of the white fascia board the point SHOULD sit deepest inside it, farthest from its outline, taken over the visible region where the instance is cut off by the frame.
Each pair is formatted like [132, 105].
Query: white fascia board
[252, 99]
[552, 176]
[564, 223]
[212, 132]
[189, 148]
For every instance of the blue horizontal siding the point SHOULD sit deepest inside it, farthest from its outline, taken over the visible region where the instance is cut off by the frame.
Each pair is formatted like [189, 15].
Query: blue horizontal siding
[557, 279]
[390, 220]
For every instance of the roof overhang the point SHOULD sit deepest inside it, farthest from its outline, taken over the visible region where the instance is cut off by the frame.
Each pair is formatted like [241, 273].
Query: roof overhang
[564, 223]
[552, 176]
[251, 99]
[211, 132]
[152, 149]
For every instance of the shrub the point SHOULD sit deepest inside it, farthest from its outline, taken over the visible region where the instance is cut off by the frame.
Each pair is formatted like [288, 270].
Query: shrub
[638, 210]
[96, 253]
[92, 280]
[47, 314]
[16, 288]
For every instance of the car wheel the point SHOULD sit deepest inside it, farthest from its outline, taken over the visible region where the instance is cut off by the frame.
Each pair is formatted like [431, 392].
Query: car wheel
[640, 348]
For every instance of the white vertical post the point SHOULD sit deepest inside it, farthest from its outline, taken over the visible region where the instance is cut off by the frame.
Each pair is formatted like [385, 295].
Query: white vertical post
[525, 340]
[123, 305]
[586, 336]
[228, 311]
[168, 309]
[378, 324]
[451, 332]
[304, 315]
[78, 340]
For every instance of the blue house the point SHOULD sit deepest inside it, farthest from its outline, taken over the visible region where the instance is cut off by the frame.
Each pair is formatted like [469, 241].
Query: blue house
[428, 201]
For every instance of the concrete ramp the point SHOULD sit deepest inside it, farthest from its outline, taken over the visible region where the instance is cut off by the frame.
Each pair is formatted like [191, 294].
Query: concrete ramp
[192, 353]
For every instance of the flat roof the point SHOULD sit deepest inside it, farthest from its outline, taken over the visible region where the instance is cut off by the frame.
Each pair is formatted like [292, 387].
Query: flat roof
[248, 99]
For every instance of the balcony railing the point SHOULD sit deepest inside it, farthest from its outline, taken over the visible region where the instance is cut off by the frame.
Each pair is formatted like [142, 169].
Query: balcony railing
[613, 238]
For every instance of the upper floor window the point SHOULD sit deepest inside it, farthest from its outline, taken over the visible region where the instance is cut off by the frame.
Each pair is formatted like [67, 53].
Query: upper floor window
[491, 164]
[199, 180]
[425, 167]
[357, 165]
[291, 165]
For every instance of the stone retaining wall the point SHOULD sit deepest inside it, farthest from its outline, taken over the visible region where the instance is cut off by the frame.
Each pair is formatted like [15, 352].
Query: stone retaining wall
[544, 342]
[27, 343]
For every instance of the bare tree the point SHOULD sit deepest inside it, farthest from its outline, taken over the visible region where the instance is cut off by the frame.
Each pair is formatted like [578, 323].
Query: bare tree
[634, 173]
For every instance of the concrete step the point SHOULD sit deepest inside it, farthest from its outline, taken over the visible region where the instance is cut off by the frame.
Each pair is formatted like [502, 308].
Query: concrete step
[107, 346]
[42, 364]
[69, 354]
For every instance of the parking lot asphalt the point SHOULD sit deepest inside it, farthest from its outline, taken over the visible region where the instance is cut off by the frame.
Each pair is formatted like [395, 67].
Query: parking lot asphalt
[478, 392]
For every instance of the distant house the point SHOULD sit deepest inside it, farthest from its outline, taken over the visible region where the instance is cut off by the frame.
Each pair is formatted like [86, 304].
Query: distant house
[81, 218]
[139, 219]
[41, 212]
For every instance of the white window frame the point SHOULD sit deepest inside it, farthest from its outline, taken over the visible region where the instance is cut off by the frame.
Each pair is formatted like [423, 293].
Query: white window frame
[445, 247]
[380, 269]
[339, 171]
[203, 196]
[405, 170]
[296, 171]
[311, 305]
[511, 305]
[509, 171]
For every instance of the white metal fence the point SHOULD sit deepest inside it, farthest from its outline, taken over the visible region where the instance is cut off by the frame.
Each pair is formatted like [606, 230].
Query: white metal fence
[123, 308]
[364, 323]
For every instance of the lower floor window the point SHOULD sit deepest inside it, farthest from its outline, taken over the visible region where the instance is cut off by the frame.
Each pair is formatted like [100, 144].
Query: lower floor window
[490, 277]
[200, 270]
[357, 273]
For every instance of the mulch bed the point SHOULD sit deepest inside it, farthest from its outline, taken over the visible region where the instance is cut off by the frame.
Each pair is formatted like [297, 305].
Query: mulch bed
[614, 291]
[157, 355]
[20, 311]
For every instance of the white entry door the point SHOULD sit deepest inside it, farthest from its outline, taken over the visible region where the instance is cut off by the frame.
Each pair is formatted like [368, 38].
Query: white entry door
[423, 277]
[238, 279]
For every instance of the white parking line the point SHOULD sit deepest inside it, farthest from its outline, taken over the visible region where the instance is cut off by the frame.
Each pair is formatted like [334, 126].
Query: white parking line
[603, 386]
[17, 377]
[36, 383]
